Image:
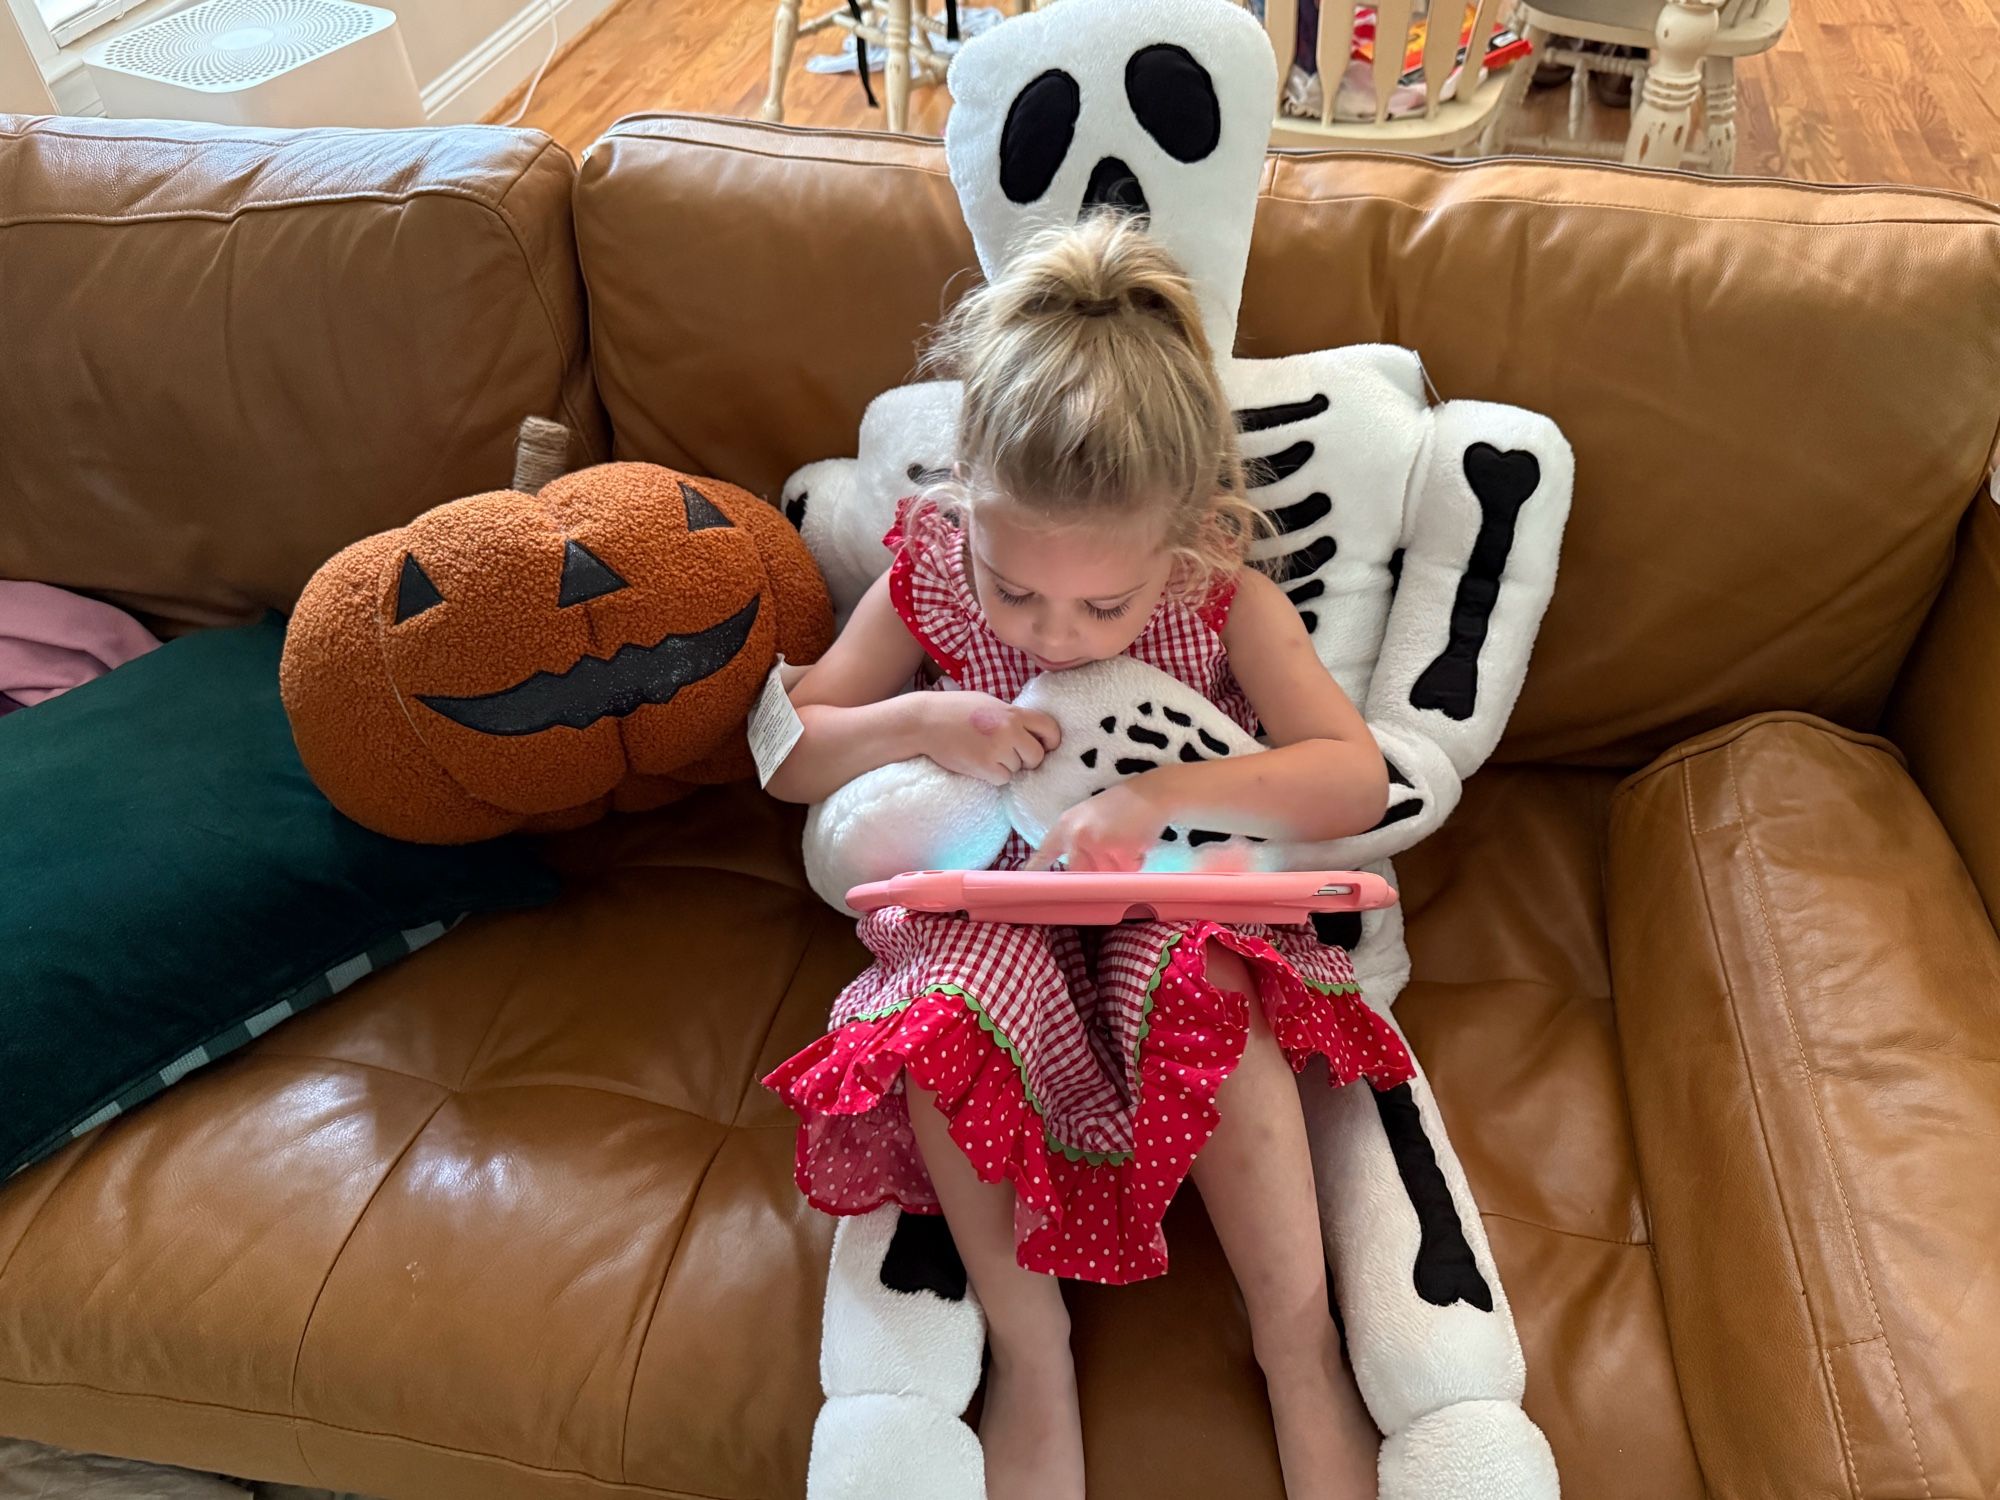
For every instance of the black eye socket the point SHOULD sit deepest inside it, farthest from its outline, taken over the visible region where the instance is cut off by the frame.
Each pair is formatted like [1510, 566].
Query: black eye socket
[1041, 123]
[1173, 97]
[585, 576]
[701, 512]
[415, 592]
[795, 508]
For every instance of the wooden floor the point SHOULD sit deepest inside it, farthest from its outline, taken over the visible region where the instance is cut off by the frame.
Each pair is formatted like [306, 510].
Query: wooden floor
[1901, 91]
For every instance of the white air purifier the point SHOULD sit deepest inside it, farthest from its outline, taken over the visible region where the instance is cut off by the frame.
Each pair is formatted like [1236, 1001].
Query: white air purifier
[261, 62]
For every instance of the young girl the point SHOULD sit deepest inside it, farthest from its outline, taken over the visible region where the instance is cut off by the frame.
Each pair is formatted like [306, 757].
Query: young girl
[1047, 1088]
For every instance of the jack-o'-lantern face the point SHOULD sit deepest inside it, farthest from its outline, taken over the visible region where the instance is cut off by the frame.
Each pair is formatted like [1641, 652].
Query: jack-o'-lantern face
[545, 646]
[530, 661]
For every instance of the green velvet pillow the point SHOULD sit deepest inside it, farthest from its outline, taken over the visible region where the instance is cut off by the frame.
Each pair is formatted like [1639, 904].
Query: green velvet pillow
[172, 884]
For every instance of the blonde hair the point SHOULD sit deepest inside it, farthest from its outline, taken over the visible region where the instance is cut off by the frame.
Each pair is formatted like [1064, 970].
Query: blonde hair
[1091, 395]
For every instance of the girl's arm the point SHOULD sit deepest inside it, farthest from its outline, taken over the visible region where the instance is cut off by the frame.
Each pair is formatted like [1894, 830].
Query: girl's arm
[856, 719]
[847, 700]
[1323, 778]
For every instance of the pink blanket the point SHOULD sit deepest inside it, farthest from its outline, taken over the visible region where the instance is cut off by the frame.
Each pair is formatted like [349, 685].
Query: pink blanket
[52, 640]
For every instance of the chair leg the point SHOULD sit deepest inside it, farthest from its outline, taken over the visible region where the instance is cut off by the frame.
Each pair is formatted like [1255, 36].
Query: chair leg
[1663, 114]
[897, 72]
[1519, 75]
[784, 42]
[1719, 106]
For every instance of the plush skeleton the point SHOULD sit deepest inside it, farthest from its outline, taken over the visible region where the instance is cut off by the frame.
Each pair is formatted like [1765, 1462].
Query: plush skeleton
[908, 438]
[1419, 544]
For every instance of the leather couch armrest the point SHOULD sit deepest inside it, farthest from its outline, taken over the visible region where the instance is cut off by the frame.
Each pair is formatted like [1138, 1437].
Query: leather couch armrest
[1946, 711]
[1808, 1004]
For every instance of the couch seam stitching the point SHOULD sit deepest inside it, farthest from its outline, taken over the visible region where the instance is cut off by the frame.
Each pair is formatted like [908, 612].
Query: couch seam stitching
[1846, 1444]
[501, 212]
[1568, 1234]
[1440, 170]
[755, 1082]
[1713, 740]
[245, 210]
[659, 1296]
[1445, 169]
[1648, 210]
[811, 161]
[94, 1138]
[526, 1083]
[500, 1005]
[449, 1092]
[1819, 1122]
[369, 1432]
[333, 1264]
[1274, 195]
[1639, 1163]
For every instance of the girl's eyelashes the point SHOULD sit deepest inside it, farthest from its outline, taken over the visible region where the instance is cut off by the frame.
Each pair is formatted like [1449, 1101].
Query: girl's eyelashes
[1097, 611]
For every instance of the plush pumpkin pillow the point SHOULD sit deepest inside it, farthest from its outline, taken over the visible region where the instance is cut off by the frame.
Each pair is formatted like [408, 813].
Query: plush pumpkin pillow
[531, 662]
[172, 884]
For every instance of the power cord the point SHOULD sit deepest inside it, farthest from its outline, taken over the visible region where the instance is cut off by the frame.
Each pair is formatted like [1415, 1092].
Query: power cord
[555, 43]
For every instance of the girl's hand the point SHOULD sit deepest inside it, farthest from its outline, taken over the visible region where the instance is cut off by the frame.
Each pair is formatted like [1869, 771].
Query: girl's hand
[1111, 831]
[976, 734]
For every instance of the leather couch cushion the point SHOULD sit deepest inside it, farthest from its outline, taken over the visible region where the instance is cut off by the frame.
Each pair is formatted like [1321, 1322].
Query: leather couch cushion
[1781, 397]
[1946, 713]
[1805, 982]
[230, 353]
[516, 1218]
[512, 1218]
[1509, 1008]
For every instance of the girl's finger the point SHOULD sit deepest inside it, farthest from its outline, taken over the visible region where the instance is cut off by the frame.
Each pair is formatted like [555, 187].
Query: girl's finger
[1045, 729]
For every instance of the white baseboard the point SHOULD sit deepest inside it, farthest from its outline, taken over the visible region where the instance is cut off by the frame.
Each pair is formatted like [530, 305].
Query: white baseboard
[72, 89]
[470, 90]
[464, 94]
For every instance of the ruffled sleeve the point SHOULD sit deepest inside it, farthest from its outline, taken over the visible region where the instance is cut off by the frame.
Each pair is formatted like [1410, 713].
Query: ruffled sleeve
[928, 586]
[1214, 610]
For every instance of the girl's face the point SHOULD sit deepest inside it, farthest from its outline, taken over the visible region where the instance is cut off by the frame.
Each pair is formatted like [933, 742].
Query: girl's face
[1065, 595]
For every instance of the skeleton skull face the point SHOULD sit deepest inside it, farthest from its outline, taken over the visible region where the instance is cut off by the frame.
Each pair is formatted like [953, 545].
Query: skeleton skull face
[1161, 108]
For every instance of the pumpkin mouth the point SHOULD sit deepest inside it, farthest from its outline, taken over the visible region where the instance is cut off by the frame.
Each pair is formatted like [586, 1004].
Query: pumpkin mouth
[601, 687]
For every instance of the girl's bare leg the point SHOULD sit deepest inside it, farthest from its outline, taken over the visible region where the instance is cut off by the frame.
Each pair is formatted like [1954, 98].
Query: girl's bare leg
[1255, 1176]
[1031, 1429]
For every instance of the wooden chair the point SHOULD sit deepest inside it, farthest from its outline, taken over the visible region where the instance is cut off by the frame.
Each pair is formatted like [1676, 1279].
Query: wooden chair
[1694, 45]
[1445, 126]
[899, 31]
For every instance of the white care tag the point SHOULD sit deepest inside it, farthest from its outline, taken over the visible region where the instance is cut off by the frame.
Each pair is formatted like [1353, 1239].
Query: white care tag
[774, 726]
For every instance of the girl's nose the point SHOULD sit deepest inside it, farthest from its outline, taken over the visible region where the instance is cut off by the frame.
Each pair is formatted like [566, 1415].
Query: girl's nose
[1059, 644]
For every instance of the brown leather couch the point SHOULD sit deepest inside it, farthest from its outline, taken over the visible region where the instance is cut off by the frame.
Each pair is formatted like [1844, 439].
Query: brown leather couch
[1706, 972]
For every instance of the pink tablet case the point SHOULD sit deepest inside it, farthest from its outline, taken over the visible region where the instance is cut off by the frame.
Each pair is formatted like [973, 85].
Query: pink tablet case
[1080, 898]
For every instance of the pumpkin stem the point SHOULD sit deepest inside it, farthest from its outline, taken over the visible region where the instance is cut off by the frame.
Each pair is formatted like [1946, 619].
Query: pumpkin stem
[541, 453]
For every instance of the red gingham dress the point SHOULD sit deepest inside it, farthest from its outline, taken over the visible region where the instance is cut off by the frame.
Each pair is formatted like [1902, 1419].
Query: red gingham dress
[1079, 1064]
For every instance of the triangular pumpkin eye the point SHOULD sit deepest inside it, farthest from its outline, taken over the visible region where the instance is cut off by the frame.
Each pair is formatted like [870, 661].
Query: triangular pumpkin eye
[701, 512]
[585, 576]
[415, 592]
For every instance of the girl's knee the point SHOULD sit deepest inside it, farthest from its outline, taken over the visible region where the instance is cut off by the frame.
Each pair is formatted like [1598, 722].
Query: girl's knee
[1028, 1319]
[1229, 970]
